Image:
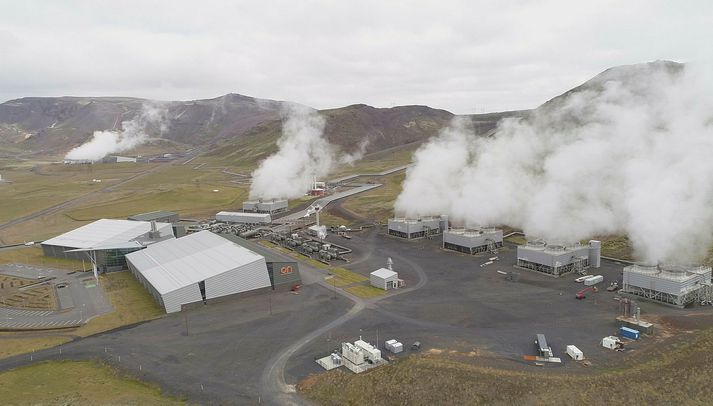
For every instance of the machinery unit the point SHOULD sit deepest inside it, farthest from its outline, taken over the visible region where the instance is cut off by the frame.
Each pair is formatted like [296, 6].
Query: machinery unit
[558, 259]
[612, 343]
[361, 356]
[265, 206]
[543, 349]
[416, 228]
[675, 285]
[394, 346]
[473, 241]
[243, 218]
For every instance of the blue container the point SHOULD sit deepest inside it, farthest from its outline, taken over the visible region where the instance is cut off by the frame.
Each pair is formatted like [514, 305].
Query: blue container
[629, 333]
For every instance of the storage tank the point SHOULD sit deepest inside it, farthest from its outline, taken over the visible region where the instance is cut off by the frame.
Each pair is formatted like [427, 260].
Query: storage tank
[595, 253]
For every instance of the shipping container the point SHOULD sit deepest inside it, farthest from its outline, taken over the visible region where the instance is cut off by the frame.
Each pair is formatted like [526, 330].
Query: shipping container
[575, 353]
[594, 280]
[629, 333]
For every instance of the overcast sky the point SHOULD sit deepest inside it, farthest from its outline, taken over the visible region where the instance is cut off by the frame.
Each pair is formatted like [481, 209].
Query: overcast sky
[464, 56]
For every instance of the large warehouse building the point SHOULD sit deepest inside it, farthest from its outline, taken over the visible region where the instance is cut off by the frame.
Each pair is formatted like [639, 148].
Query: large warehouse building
[669, 284]
[265, 206]
[160, 216]
[417, 228]
[106, 241]
[473, 241]
[284, 271]
[243, 218]
[197, 267]
[558, 259]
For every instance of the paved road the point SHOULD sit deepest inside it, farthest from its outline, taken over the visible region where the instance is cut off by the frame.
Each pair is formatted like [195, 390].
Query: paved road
[357, 175]
[324, 201]
[273, 386]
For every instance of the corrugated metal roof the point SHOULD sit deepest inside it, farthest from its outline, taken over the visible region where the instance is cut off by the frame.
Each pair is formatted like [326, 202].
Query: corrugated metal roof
[384, 273]
[153, 215]
[107, 232]
[270, 256]
[173, 264]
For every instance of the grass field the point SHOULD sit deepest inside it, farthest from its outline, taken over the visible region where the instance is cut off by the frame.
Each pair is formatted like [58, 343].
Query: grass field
[33, 256]
[132, 304]
[76, 383]
[377, 204]
[344, 277]
[679, 374]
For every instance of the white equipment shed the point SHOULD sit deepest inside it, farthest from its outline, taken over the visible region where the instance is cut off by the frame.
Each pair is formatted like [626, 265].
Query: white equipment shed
[197, 267]
[384, 279]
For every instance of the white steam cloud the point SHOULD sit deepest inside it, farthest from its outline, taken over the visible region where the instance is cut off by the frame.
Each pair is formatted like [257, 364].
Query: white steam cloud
[132, 134]
[630, 152]
[304, 153]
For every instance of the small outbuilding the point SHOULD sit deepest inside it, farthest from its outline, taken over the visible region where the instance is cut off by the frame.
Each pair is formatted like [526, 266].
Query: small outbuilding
[384, 279]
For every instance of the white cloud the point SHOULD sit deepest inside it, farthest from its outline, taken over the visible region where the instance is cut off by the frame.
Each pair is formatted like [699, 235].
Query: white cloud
[458, 55]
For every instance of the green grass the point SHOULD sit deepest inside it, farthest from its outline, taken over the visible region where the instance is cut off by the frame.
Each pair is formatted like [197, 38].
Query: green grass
[377, 204]
[33, 256]
[517, 239]
[76, 383]
[365, 291]
[344, 277]
[132, 303]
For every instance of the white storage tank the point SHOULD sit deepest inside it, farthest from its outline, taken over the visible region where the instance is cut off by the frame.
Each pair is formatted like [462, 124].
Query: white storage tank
[595, 253]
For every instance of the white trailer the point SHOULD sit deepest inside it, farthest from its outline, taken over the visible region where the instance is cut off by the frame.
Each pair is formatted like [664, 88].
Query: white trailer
[593, 280]
[575, 353]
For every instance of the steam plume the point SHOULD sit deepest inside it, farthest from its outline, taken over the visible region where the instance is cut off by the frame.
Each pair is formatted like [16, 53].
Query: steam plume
[303, 154]
[629, 152]
[132, 134]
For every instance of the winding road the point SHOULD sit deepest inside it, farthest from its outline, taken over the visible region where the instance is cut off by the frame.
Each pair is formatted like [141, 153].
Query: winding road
[273, 386]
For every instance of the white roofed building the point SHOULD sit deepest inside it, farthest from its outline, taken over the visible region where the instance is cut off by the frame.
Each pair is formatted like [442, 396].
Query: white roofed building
[106, 241]
[197, 267]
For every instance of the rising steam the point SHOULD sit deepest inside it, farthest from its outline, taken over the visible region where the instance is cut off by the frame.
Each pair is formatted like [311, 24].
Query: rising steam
[629, 152]
[132, 134]
[304, 154]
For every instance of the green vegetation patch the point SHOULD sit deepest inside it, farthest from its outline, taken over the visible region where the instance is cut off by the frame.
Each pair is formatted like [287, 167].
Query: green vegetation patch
[76, 383]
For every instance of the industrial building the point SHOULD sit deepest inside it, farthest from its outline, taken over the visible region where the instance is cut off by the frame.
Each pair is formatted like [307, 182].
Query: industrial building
[385, 279]
[473, 241]
[417, 228]
[105, 242]
[265, 206]
[197, 267]
[558, 259]
[284, 272]
[160, 216]
[243, 218]
[670, 284]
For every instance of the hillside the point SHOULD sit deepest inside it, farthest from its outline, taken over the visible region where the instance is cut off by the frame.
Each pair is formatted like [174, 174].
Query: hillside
[61, 123]
[57, 124]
